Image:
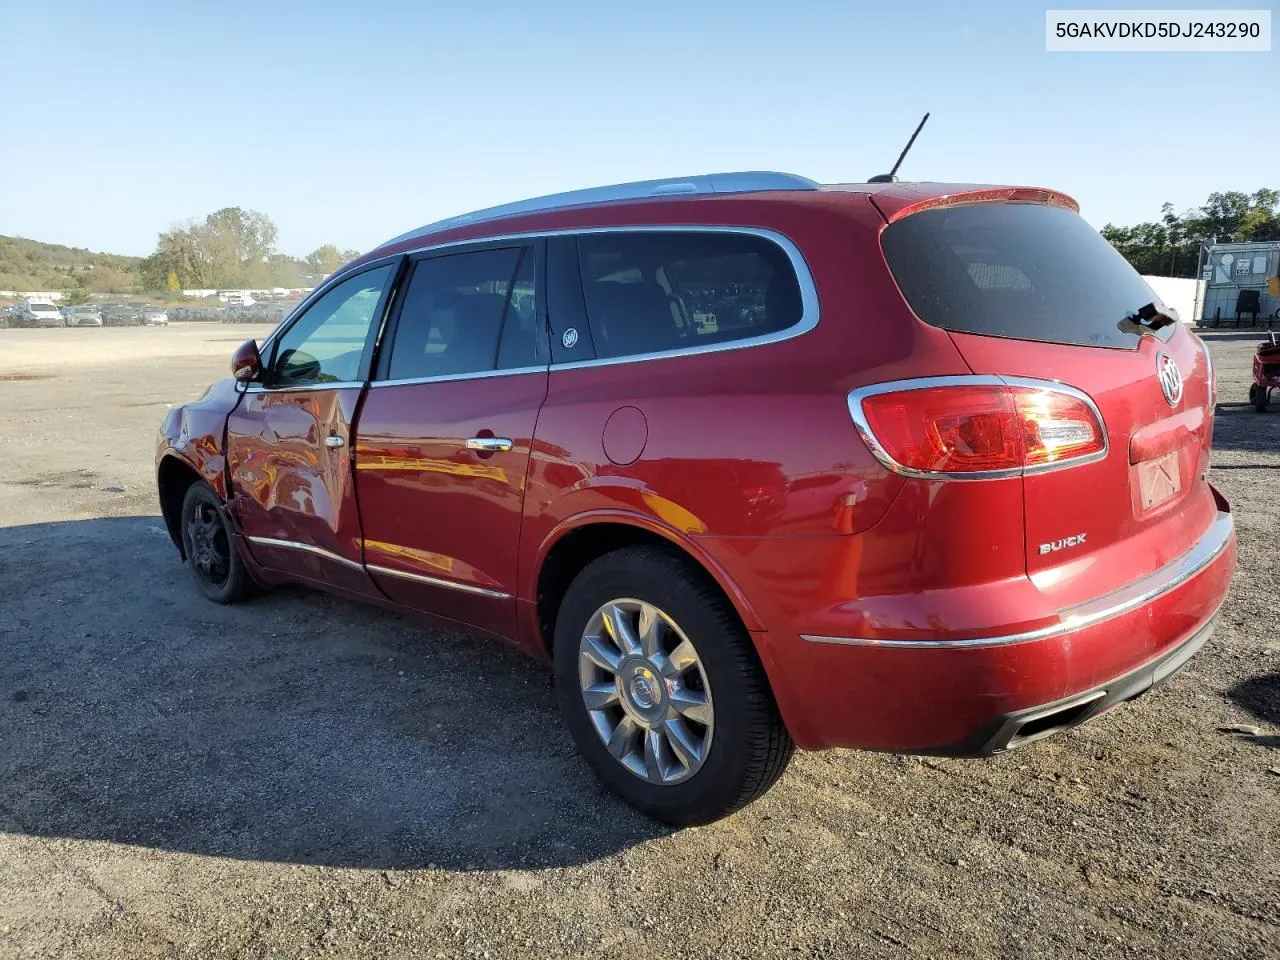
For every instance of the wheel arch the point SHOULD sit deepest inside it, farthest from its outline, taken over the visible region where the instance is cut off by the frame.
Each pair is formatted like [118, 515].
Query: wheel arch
[578, 541]
[174, 476]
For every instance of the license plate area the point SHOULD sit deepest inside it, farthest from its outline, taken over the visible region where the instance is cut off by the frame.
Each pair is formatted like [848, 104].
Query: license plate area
[1159, 480]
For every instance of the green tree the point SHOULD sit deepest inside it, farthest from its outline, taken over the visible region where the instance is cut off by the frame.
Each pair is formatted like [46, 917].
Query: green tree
[230, 248]
[172, 285]
[322, 261]
[1172, 245]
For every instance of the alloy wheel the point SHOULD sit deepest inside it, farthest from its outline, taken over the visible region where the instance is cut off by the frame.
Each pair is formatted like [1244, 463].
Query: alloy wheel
[646, 691]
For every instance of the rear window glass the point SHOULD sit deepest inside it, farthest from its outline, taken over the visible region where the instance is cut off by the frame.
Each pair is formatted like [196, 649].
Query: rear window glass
[1018, 270]
[654, 291]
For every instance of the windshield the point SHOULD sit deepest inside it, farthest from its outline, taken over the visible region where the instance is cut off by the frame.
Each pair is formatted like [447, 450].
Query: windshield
[43, 308]
[1019, 270]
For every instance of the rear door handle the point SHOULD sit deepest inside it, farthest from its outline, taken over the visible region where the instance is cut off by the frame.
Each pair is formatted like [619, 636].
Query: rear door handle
[333, 440]
[490, 444]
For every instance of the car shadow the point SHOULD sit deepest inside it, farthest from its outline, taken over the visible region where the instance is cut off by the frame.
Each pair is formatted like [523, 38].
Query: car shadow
[1260, 696]
[1237, 426]
[1229, 334]
[295, 727]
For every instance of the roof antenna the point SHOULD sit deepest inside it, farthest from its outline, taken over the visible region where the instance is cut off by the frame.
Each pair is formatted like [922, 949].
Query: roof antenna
[891, 176]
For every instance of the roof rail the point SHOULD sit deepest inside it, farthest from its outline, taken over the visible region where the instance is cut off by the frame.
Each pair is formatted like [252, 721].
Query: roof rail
[746, 182]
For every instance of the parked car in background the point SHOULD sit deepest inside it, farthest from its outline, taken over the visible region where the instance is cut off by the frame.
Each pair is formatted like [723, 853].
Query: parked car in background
[85, 315]
[40, 313]
[121, 315]
[929, 475]
[154, 317]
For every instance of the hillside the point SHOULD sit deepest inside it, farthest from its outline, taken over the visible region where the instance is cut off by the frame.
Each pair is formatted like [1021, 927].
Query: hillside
[32, 265]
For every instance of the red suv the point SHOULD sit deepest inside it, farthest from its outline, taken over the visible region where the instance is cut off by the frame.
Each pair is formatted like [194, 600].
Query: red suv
[753, 462]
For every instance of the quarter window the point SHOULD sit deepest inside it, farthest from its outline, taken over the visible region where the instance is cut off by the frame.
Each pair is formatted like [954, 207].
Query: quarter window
[326, 344]
[654, 291]
[455, 310]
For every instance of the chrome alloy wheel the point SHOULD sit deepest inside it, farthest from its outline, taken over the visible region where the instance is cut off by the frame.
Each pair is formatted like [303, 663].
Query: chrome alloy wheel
[646, 691]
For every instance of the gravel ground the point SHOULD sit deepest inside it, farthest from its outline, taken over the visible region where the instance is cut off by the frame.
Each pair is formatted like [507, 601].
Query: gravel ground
[304, 777]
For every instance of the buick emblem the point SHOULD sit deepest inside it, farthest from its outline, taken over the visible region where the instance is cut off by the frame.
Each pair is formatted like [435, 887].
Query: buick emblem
[1170, 378]
[570, 337]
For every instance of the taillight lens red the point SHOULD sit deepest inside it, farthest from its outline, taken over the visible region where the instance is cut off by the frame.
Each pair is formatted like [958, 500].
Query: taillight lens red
[981, 428]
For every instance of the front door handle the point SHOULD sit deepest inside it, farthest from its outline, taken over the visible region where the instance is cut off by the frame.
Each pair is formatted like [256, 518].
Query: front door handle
[333, 440]
[490, 444]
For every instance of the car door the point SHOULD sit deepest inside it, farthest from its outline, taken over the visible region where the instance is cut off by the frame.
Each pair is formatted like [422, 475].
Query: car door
[445, 432]
[289, 441]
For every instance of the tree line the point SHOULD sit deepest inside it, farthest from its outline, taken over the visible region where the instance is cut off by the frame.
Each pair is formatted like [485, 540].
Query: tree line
[231, 248]
[1170, 246]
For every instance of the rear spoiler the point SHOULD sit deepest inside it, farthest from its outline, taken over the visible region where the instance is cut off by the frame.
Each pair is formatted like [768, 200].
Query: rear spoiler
[982, 195]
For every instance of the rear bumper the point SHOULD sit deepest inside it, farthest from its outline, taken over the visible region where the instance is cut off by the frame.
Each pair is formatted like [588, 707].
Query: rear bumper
[986, 693]
[1034, 723]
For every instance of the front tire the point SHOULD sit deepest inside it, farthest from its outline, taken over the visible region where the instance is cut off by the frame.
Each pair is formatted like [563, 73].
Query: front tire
[1258, 395]
[209, 546]
[662, 690]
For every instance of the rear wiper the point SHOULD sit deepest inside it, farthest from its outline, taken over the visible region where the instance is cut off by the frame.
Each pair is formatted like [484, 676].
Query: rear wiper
[1152, 317]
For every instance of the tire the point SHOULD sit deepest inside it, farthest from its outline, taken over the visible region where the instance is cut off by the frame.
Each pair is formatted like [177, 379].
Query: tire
[209, 547]
[742, 746]
[1259, 397]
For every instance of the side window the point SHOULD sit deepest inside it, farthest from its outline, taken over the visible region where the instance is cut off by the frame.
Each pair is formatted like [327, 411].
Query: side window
[456, 310]
[648, 292]
[326, 343]
[524, 341]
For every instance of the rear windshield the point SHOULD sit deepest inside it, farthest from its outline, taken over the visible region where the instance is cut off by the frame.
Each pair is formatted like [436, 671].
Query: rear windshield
[1019, 270]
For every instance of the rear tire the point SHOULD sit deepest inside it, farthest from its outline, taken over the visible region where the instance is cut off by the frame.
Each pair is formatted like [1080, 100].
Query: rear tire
[683, 725]
[1259, 397]
[209, 546]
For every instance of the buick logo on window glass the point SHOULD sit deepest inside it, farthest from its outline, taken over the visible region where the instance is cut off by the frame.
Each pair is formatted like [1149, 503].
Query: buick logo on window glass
[570, 338]
[1170, 378]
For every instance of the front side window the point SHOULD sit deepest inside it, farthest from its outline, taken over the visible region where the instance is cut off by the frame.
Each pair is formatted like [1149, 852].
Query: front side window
[466, 313]
[326, 343]
[655, 291]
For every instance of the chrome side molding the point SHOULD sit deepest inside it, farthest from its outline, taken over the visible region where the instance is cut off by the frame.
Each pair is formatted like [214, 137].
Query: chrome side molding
[374, 568]
[305, 548]
[437, 582]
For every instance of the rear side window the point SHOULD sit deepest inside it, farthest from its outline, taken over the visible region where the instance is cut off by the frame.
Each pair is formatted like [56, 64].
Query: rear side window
[655, 291]
[466, 313]
[1018, 270]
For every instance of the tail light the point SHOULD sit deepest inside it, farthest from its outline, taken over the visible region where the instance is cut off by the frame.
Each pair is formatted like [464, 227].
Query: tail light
[978, 427]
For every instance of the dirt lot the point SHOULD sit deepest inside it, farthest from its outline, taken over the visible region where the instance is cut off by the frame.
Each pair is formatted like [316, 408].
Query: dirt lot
[303, 777]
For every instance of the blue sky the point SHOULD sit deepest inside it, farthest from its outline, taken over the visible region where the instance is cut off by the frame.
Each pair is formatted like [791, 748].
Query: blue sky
[352, 122]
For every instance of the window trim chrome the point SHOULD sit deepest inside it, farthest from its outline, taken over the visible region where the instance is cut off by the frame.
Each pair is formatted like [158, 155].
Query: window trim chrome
[877, 449]
[809, 300]
[301, 387]
[1106, 607]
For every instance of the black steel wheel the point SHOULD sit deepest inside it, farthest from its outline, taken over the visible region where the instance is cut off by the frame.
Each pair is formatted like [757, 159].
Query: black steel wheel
[209, 547]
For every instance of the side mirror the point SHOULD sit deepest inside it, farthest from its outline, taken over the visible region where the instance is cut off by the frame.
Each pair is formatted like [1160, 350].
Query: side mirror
[246, 363]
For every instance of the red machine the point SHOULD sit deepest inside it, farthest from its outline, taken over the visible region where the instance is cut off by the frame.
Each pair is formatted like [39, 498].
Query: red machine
[1266, 373]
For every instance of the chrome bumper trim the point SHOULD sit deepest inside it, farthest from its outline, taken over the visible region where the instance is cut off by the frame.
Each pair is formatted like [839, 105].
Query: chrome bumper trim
[1109, 605]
